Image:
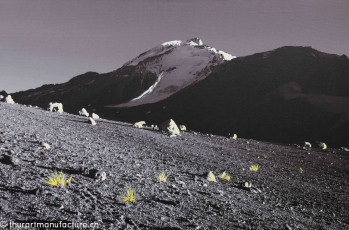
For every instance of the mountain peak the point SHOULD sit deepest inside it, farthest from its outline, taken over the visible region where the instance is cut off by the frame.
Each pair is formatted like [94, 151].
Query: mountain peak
[169, 46]
[194, 42]
[176, 65]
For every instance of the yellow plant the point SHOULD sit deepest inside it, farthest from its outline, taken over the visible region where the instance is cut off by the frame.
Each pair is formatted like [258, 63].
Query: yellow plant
[224, 176]
[58, 179]
[254, 168]
[248, 185]
[162, 177]
[211, 177]
[130, 195]
[265, 156]
[234, 137]
[301, 170]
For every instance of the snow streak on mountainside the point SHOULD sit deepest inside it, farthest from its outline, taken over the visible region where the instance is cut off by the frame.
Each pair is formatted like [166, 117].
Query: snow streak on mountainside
[178, 65]
[151, 88]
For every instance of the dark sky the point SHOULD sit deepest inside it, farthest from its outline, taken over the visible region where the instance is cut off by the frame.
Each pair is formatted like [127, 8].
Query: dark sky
[51, 41]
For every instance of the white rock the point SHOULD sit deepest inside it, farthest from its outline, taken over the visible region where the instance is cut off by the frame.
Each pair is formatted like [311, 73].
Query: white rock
[322, 145]
[9, 100]
[103, 176]
[171, 127]
[95, 116]
[47, 146]
[56, 107]
[139, 124]
[91, 121]
[83, 112]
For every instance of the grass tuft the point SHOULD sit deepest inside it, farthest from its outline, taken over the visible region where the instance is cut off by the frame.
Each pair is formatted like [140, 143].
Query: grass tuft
[248, 185]
[254, 168]
[301, 170]
[162, 177]
[58, 179]
[211, 177]
[224, 176]
[130, 195]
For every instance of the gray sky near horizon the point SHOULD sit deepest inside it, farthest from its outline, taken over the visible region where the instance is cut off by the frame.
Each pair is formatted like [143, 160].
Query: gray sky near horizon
[51, 41]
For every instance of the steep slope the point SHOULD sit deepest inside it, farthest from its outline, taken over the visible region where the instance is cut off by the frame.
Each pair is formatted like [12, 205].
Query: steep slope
[152, 76]
[281, 196]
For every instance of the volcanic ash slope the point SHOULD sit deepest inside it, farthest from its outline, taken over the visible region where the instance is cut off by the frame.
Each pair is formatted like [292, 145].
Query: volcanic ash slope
[104, 159]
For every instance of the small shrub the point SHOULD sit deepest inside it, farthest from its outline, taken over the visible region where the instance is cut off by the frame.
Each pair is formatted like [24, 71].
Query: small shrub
[130, 195]
[254, 168]
[211, 177]
[248, 185]
[162, 177]
[301, 170]
[224, 176]
[58, 179]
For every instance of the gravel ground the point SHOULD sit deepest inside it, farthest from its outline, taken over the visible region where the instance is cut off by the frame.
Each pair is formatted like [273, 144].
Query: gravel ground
[281, 196]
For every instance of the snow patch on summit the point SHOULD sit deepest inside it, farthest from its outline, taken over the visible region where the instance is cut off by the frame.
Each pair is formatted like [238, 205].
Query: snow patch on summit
[195, 42]
[172, 43]
[226, 56]
[212, 49]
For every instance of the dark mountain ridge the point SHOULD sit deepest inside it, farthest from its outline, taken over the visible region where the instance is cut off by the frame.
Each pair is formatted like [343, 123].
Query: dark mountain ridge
[91, 90]
[287, 95]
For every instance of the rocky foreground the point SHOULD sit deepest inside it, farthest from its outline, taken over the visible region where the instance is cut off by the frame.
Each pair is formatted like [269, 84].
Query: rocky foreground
[294, 188]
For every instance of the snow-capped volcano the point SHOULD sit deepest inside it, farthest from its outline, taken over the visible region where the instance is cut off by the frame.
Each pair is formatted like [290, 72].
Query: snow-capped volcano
[271, 96]
[177, 65]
